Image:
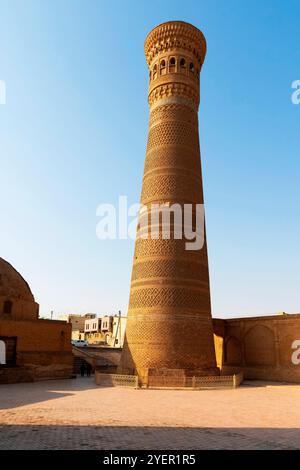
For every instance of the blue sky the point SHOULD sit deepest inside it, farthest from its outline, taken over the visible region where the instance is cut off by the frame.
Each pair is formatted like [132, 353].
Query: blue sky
[73, 135]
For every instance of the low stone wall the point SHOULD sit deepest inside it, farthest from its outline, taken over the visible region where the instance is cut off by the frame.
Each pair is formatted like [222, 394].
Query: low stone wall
[116, 380]
[269, 374]
[11, 375]
[169, 382]
[209, 382]
[34, 373]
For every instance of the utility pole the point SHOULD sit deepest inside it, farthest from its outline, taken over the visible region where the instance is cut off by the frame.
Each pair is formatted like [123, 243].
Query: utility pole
[120, 329]
[117, 331]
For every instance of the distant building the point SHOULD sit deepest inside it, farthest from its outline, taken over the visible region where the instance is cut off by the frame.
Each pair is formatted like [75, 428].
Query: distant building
[77, 321]
[92, 325]
[108, 330]
[78, 324]
[106, 324]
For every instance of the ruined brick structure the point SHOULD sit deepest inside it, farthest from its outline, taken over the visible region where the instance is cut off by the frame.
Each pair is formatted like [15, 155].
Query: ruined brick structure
[169, 326]
[30, 348]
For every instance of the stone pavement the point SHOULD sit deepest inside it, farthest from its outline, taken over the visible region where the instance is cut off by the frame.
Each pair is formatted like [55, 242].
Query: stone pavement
[76, 414]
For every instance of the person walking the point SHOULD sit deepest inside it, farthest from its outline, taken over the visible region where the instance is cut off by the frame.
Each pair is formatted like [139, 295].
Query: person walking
[88, 370]
[82, 369]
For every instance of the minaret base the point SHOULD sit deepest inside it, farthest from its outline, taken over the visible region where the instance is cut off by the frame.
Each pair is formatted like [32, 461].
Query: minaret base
[179, 377]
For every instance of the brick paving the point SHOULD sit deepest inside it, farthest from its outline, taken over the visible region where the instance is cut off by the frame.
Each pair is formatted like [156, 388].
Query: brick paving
[76, 414]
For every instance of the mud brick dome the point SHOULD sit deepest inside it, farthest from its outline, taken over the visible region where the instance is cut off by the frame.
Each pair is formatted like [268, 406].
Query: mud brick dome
[169, 325]
[16, 299]
[31, 348]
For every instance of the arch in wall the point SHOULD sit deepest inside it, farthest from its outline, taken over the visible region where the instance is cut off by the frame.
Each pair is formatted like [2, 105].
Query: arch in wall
[182, 64]
[233, 351]
[172, 65]
[154, 74]
[2, 352]
[162, 67]
[259, 342]
[7, 307]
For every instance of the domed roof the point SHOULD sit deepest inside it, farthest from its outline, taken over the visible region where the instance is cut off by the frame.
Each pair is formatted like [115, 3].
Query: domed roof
[12, 284]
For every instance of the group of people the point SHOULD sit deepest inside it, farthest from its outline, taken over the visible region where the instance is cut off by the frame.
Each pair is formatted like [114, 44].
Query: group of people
[85, 368]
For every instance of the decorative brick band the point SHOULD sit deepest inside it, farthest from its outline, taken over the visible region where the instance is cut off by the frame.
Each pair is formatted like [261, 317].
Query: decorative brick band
[169, 318]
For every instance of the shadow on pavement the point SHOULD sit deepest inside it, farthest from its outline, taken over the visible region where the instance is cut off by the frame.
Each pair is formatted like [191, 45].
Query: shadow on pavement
[149, 438]
[36, 392]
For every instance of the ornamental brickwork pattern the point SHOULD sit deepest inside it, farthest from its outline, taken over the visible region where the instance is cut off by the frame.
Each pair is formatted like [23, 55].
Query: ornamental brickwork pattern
[169, 318]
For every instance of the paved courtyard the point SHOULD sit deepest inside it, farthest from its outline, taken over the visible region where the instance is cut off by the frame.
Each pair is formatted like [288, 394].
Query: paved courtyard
[76, 414]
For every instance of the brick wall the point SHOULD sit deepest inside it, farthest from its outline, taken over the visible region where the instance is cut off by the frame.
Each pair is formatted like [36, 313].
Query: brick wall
[43, 349]
[259, 346]
[21, 309]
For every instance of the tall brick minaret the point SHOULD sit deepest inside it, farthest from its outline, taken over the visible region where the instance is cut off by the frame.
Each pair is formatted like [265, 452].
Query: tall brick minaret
[169, 326]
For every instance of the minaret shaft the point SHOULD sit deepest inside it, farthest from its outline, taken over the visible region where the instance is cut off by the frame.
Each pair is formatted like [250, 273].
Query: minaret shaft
[169, 322]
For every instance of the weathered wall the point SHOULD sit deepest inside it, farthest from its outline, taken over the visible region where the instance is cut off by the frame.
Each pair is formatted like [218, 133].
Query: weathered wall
[43, 349]
[16, 299]
[21, 309]
[260, 346]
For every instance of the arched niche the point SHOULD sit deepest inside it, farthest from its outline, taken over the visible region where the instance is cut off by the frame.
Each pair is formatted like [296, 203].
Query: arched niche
[233, 351]
[259, 344]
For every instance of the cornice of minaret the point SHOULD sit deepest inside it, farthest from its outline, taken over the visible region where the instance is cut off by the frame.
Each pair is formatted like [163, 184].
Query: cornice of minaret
[175, 34]
[175, 52]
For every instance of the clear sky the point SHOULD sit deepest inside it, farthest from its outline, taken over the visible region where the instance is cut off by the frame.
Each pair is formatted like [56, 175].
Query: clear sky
[73, 135]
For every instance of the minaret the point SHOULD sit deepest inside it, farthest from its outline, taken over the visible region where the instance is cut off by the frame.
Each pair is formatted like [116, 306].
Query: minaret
[169, 326]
